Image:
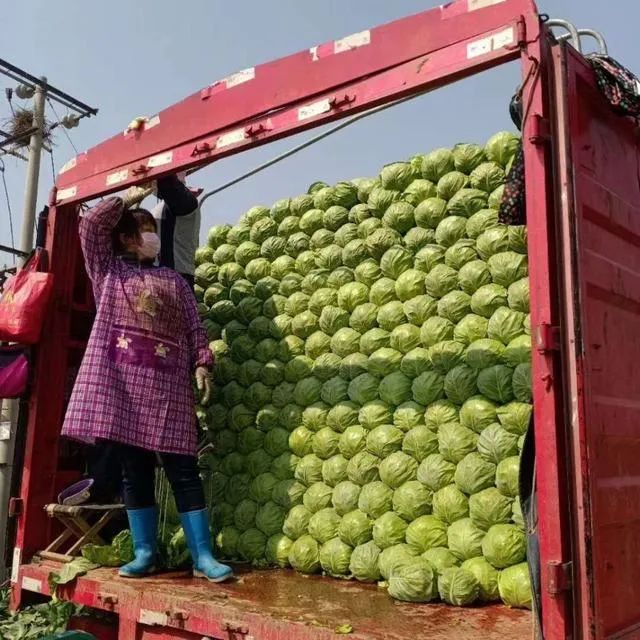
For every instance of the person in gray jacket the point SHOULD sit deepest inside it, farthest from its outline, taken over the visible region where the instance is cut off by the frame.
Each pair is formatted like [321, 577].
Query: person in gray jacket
[178, 217]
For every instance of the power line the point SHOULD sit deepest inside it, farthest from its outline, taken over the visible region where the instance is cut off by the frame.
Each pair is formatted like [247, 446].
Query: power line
[6, 195]
[64, 129]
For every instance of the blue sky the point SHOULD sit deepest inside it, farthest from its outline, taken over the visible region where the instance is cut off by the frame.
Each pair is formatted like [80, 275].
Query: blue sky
[132, 59]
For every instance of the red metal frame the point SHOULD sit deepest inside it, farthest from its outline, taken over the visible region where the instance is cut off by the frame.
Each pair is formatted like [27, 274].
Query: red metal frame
[347, 76]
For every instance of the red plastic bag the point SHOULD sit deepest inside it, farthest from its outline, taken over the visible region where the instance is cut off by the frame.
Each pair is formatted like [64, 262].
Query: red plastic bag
[24, 302]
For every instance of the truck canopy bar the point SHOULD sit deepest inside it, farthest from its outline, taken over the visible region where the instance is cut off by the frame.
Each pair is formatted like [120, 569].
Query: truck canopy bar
[322, 84]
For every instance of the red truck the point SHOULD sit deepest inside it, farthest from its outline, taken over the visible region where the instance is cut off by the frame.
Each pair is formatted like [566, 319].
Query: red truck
[583, 203]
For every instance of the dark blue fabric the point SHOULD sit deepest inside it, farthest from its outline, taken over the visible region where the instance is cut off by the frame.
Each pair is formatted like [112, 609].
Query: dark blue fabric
[138, 473]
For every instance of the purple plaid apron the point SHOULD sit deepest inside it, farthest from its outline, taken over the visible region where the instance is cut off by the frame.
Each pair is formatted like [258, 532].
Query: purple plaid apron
[135, 382]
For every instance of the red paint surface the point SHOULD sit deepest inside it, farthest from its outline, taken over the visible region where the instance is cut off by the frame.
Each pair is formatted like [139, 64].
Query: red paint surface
[601, 278]
[279, 605]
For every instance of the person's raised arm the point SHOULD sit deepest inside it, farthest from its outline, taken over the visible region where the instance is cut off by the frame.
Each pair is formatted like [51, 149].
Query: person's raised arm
[176, 196]
[96, 228]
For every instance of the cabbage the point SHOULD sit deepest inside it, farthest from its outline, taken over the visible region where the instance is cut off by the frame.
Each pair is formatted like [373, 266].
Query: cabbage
[375, 499]
[504, 545]
[440, 558]
[304, 555]
[474, 473]
[521, 384]
[363, 468]
[507, 480]
[514, 585]
[495, 383]
[435, 472]
[418, 191]
[502, 148]
[399, 217]
[384, 440]
[451, 183]
[277, 550]
[437, 164]
[414, 582]
[323, 525]
[507, 267]
[397, 468]
[409, 285]
[455, 441]
[440, 280]
[450, 504]
[334, 470]
[426, 532]
[374, 414]
[415, 362]
[363, 317]
[395, 388]
[364, 562]
[394, 557]
[408, 415]
[252, 545]
[515, 417]
[464, 539]
[317, 497]
[495, 444]
[487, 177]
[270, 518]
[398, 176]
[428, 387]
[412, 500]
[335, 557]
[396, 261]
[489, 507]
[390, 315]
[419, 443]
[486, 576]
[355, 528]
[373, 378]
[458, 586]
[384, 361]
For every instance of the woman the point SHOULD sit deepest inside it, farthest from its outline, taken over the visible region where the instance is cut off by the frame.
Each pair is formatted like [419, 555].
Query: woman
[134, 385]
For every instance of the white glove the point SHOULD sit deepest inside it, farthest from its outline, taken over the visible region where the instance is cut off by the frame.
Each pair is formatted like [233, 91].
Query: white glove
[136, 123]
[203, 381]
[135, 195]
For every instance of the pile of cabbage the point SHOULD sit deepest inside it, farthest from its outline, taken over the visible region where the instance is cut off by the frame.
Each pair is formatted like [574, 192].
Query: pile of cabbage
[373, 381]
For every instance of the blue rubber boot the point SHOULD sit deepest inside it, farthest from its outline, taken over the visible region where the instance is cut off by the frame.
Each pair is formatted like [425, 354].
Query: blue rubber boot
[144, 531]
[196, 530]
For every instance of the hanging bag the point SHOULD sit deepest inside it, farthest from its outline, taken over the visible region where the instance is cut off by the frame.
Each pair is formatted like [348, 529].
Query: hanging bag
[14, 372]
[24, 302]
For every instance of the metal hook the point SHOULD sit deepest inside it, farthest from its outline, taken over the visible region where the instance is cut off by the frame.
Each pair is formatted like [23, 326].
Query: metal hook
[572, 34]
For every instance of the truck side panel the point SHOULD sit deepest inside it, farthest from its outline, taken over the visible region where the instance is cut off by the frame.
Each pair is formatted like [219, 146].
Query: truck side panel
[601, 277]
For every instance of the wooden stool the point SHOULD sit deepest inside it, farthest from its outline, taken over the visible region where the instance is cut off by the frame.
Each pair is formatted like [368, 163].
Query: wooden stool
[82, 524]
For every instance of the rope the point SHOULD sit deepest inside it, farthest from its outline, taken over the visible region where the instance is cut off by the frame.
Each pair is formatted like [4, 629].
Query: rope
[6, 195]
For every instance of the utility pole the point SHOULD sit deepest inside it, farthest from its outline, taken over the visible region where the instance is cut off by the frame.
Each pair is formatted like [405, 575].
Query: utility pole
[41, 91]
[33, 169]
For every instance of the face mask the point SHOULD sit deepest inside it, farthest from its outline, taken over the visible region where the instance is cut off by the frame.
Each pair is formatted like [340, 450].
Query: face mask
[150, 247]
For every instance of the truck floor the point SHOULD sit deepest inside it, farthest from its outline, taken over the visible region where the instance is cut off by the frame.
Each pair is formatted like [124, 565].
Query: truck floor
[279, 605]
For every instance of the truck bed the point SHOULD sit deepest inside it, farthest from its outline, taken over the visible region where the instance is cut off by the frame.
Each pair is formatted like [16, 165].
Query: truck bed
[275, 605]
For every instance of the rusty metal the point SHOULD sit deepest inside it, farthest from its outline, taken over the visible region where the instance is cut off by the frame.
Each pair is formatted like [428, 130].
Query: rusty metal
[559, 577]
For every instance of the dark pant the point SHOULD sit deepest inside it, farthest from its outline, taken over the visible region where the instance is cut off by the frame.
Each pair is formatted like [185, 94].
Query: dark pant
[103, 466]
[138, 474]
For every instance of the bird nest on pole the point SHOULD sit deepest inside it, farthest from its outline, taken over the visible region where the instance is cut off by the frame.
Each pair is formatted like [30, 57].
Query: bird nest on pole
[19, 126]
